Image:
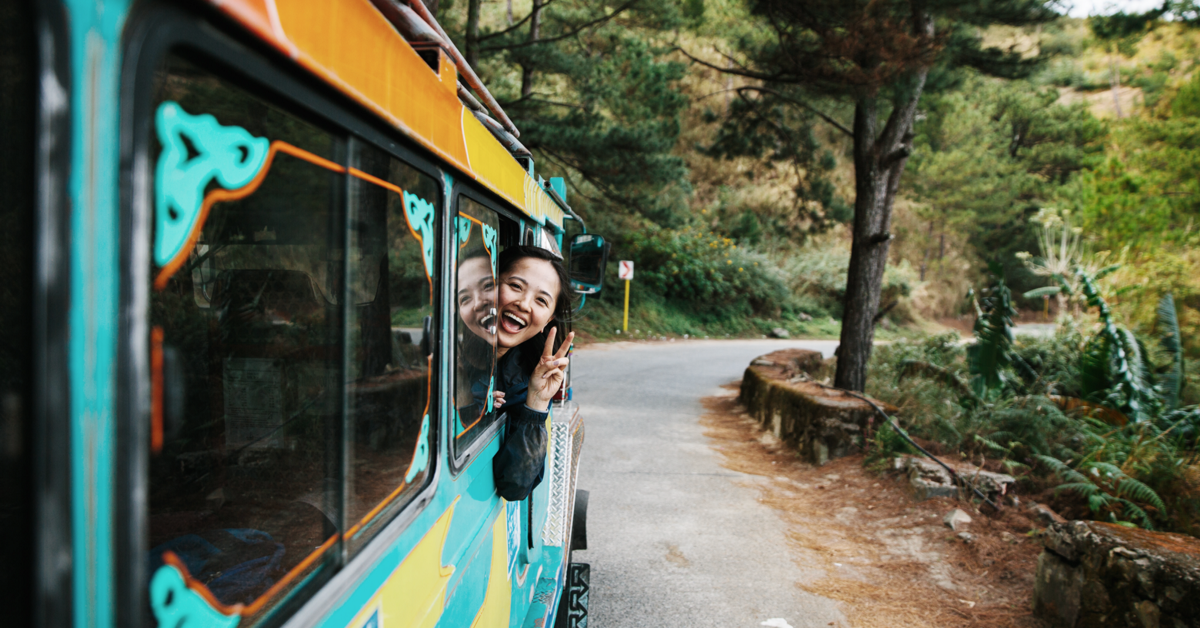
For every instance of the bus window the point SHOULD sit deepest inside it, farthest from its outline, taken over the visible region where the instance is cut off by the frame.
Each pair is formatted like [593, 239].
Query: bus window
[392, 250]
[245, 488]
[476, 228]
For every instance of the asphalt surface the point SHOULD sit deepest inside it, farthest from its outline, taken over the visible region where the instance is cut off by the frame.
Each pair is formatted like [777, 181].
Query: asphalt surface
[674, 538]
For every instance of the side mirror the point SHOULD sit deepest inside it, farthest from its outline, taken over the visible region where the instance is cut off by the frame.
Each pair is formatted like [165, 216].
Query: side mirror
[589, 256]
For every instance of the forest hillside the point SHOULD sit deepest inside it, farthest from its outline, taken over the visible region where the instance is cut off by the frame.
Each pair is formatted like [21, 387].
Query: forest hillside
[1049, 175]
[737, 220]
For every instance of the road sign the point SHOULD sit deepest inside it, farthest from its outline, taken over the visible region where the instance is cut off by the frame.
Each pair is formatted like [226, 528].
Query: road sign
[625, 271]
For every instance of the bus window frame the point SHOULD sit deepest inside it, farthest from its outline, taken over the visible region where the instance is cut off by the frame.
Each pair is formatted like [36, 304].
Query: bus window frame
[154, 31]
[51, 386]
[459, 461]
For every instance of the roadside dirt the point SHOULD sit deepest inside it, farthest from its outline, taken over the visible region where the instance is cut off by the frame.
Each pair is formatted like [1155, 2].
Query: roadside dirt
[863, 540]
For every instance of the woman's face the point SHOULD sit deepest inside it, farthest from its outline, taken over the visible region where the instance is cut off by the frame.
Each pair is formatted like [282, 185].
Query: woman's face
[528, 295]
[477, 298]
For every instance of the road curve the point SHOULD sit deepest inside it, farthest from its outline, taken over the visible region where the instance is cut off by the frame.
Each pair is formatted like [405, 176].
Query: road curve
[675, 539]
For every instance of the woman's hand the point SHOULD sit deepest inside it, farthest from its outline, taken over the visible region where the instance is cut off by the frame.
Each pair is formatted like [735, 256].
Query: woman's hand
[497, 399]
[548, 377]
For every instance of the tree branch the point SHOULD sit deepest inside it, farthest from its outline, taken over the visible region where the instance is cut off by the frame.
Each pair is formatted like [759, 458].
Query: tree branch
[532, 98]
[584, 26]
[483, 38]
[837, 125]
[736, 72]
[900, 153]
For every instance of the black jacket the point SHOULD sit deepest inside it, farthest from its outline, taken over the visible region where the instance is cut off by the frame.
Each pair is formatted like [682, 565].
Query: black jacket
[521, 462]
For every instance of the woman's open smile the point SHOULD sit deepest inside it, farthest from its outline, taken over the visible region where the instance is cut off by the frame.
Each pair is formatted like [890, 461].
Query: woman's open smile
[528, 293]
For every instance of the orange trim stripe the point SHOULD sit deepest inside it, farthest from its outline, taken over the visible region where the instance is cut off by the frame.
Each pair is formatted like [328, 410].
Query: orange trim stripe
[156, 389]
[257, 605]
[395, 188]
[221, 194]
[353, 531]
[376, 180]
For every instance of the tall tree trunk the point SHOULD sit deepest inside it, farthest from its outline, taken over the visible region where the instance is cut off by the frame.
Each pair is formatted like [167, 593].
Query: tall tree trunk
[472, 34]
[928, 250]
[879, 159]
[535, 33]
[1114, 81]
[728, 84]
[509, 15]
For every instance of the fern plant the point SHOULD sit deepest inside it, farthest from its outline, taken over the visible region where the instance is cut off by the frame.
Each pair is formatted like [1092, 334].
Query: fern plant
[991, 357]
[1109, 491]
[1114, 369]
[1171, 382]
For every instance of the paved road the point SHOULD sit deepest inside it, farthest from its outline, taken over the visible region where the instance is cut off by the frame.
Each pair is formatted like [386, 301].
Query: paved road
[675, 539]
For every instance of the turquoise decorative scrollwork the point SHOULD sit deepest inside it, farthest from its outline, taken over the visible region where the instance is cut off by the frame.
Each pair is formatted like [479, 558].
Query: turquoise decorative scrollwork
[420, 217]
[489, 242]
[176, 605]
[463, 227]
[196, 150]
[420, 459]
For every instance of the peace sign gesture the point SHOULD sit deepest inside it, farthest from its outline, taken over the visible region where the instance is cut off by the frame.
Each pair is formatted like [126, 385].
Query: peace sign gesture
[548, 377]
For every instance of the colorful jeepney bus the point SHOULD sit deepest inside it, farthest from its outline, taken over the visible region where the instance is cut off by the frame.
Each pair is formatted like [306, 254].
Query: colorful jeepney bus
[249, 267]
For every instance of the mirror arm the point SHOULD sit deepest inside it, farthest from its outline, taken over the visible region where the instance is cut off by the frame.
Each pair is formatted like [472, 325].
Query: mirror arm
[566, 208]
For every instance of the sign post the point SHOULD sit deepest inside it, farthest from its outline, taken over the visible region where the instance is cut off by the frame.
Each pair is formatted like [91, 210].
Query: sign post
[626, 272]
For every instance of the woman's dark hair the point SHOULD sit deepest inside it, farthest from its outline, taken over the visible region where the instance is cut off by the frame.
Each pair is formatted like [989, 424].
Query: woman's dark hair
[531, 350]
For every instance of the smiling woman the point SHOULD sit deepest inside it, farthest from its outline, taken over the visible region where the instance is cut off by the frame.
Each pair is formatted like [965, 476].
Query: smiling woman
[476, 230]
[534, 306]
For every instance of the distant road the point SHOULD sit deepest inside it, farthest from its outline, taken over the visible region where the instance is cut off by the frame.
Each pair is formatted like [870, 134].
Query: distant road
[675, 539]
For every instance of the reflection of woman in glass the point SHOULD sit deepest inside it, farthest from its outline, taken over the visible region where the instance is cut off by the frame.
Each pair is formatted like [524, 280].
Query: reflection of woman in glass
[476, 301]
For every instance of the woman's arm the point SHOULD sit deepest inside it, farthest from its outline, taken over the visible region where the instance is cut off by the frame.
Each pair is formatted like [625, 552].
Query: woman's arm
[548, 377]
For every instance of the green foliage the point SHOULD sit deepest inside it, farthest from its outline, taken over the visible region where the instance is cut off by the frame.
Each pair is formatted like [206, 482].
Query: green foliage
[817, 274]
[1172, 380]
[991, 356]
[696, 266]
[886, 444]
[987, 157]
[1114, 369]
[1187, 99]
[768, 126]
[592, 95]
[1108, 491]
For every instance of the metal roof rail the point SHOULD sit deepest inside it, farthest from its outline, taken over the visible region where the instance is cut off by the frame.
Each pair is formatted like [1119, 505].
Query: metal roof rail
[395, 8]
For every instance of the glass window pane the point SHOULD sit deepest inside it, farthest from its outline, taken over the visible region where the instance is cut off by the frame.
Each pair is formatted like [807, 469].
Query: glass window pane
[475, 302]
[245, 487]
[392, 253]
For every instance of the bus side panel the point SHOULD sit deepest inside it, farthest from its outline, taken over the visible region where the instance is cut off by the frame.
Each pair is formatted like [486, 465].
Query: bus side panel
[412, 593]
[498, 599]
[95, 30]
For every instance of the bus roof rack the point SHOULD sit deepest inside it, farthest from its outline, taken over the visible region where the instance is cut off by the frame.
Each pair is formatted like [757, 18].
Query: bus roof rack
[416, 23]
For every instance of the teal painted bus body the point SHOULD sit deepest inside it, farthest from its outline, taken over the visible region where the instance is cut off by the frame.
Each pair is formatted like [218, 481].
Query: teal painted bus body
[343, 585]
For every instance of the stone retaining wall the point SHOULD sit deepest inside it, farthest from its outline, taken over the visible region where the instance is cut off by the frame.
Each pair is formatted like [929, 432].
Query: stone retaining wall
[778, 389]
[1095, 574]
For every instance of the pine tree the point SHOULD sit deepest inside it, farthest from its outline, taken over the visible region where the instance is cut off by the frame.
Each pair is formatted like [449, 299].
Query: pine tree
[591, 92]
[876, 57]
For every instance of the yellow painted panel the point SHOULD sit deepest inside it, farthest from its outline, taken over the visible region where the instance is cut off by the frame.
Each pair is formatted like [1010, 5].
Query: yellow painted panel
[492, 164]
[415, 594]
[497, 602]
[351, 45]
[539, 204]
